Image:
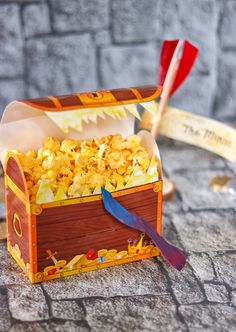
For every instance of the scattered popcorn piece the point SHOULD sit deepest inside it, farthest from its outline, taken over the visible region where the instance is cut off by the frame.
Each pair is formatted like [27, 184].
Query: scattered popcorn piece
[52, 144]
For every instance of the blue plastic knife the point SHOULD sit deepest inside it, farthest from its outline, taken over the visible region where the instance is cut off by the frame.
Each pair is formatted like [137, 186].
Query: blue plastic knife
[175, 256]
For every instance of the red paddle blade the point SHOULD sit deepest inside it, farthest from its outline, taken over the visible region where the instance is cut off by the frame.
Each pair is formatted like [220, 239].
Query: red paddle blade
[188, 56]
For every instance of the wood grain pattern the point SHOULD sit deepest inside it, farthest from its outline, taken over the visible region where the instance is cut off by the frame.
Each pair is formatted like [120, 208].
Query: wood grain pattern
[15, 173]
[146, 91]
[123, 94]
[69, 100]
[80, 227]
[109, 239]
[73, 230]
[15, 205]
[2, 190]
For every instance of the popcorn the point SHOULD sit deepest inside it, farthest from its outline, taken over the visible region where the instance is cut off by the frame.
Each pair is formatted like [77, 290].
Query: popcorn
[52, 144]
[73, 168]
[69, 146]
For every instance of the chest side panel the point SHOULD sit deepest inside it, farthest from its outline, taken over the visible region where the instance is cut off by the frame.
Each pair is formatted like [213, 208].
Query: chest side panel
[17, 225]
[75, 229]
[15, 174]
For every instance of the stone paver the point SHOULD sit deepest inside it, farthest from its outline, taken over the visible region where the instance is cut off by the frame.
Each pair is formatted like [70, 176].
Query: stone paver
[150, 313]
[191, 90]
[80, 15]
[126, 280]
[5, 319]
[216, 293]
[9, 91]
[10, 272]
[226, 84]
[193, 186]
[186, 157]
[102, 38]
[185, 285]
[123, 66]
[206, 231]
[36, 19]
[64, 68]
[70, 310]
[50, 326]
[206, 317]
[233, 296]
[27, 303]
[129, 23]
[228, 24]
[188, 27]
[11, 41]
[202, 266]
[169, 231]
[173, 206]
[225, 267]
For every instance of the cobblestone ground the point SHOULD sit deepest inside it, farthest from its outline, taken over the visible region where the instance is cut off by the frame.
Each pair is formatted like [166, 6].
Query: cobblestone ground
[147, 295]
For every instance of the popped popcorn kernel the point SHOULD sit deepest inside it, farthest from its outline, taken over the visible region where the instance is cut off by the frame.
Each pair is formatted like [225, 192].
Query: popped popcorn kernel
[52, 143]
[73, 168]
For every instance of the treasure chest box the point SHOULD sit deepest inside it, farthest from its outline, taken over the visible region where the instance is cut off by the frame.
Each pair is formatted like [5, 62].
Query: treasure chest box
[67, 236]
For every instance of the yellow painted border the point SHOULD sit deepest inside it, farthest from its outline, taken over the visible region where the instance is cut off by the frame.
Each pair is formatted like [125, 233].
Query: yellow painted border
[16, 217]
[19, 262]
[159, 213]
[40, 277]
[37, 277]
[95, 104]
[92, 198]
[9, 155]
[32, 227]
[9, 183]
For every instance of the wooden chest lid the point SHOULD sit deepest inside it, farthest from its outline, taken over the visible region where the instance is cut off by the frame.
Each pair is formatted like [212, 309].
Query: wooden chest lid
[26, 123]
[95, 99]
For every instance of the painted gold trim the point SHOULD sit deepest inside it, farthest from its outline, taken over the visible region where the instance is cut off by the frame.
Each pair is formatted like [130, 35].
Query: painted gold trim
[55, 101]
[92, 198]
[136, 93]
[159, 212]
[94, 105]
[15, 189]
[33, 243]
[16, 218]
[87, 99]
[9, 155]
[17, 259]
[6, 202]
[39, 277]
[157, 186]
[36, 209]
[10, 184]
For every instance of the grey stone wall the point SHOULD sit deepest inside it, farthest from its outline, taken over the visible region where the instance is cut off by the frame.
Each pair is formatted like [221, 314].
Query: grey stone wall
[57, 47]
